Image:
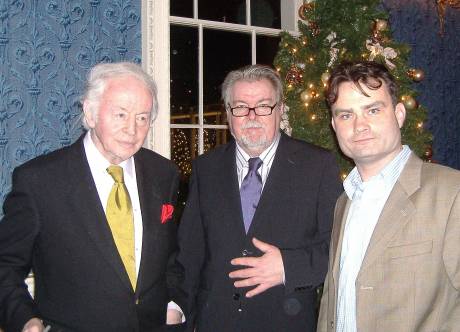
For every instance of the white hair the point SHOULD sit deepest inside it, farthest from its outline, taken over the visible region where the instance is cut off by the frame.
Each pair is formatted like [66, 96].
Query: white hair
[97, 80]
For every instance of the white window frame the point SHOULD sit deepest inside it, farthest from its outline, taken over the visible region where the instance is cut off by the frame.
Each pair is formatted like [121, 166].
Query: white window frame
[156, 60]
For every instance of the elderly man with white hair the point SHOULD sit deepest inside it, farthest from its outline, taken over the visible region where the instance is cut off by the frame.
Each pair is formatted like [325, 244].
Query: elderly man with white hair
[94, 221]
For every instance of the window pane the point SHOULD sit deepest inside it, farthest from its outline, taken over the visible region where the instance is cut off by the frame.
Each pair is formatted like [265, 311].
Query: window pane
[184, 147]
[266, 13]
[267, 47]
[232, 11]
[215, 137]
[223, 51]
[184, 74]
[182, 8]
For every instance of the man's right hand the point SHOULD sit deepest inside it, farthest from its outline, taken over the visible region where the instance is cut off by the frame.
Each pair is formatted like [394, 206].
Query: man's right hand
[33, 325]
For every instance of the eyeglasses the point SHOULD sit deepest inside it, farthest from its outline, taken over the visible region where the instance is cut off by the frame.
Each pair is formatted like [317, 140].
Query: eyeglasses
[261, 110]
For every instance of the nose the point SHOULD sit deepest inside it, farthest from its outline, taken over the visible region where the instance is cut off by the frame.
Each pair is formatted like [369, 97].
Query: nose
[252, 114]
[360, 124]
[131, 126]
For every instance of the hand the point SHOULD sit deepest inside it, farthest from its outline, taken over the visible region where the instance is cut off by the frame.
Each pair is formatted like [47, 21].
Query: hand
[265, 271]
[33, 325]
[173, 317]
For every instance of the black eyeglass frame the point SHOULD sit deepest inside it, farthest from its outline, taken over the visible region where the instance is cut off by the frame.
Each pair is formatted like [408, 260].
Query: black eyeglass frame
[251, 109]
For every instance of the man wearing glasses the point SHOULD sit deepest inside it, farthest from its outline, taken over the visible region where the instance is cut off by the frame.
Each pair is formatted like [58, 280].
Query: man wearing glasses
[255, 232]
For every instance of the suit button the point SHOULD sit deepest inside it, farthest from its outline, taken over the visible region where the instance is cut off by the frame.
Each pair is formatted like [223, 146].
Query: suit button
[137, 301]
[236, 296]
[246, 252]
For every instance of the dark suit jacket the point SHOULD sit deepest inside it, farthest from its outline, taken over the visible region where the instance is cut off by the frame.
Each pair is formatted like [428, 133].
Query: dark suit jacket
[55, 224]
[294, 214]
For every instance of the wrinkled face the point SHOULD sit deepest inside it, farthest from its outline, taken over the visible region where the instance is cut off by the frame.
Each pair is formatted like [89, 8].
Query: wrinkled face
[123, 118]
[367, 128]
[252, 132]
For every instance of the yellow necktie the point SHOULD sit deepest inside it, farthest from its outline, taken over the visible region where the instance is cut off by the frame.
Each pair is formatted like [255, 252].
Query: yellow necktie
[120, 217]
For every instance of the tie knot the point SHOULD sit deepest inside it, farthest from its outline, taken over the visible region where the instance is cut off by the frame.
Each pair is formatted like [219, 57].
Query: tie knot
[254, 164]
[116, 172]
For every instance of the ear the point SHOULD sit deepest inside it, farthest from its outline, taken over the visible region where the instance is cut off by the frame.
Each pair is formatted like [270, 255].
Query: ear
[400, 113]
[89, 114]
[281, 108]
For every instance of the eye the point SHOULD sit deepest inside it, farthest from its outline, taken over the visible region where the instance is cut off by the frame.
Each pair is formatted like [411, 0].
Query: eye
[344, 116]
[373, 111]
[120, 115]
[142, 119]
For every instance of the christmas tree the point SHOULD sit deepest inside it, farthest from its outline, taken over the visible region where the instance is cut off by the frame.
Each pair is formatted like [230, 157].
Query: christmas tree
[332, 31]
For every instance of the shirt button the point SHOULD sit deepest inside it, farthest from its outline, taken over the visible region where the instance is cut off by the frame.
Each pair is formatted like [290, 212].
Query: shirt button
[332, 324]
[244, 252]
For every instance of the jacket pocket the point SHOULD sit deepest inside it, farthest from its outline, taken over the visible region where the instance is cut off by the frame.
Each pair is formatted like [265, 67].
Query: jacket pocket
[408, 250]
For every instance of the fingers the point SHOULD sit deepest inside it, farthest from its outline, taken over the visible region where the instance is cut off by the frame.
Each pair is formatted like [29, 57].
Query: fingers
[246, 261]
[173, 316]
[262, 246]
[259, 289]
[244, 273]
[247, 282]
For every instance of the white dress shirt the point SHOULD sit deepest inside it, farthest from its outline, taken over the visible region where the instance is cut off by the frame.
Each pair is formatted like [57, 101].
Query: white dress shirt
[367, 202]
[104, 183]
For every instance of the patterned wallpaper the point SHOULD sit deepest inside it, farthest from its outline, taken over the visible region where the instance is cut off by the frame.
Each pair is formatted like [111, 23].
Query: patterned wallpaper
[46, 48]
[416, 22]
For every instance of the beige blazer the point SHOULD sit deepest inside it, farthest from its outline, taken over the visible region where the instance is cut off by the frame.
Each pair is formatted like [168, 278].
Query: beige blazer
[410, 276]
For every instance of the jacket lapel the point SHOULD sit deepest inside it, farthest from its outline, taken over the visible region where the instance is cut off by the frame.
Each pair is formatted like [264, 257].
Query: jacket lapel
[396, 212]
[92, 213]
[227, 178]
[341, 213]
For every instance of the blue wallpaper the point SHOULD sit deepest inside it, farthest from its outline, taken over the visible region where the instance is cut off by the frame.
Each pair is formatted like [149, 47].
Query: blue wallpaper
[46, 48]
[415, 22]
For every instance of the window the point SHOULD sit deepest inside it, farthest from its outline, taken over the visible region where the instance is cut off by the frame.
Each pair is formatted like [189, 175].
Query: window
[189, 47]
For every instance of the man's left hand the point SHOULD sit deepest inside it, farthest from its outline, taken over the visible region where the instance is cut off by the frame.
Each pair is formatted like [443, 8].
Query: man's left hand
[265, 271]
[173, 317]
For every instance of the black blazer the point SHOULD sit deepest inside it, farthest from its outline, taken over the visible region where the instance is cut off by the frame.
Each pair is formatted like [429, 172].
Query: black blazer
[294, 214]
[55, 224]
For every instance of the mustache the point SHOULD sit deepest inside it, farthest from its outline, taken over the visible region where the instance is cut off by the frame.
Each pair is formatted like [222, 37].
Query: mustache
[252, 124]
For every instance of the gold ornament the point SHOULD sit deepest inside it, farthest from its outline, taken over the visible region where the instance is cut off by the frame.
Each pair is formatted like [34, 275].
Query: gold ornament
[416, 74]
[409, 102]
[305, 9]
[381, 25]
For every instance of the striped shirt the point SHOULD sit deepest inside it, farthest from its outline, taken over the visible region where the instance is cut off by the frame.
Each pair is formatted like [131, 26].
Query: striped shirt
[367, 202]
[267, 156]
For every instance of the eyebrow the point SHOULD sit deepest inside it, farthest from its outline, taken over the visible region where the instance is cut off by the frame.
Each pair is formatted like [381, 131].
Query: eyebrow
[364, 107]
[263, 100]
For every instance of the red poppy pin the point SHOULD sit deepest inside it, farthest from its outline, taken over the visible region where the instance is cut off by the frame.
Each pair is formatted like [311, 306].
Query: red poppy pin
[166, 212]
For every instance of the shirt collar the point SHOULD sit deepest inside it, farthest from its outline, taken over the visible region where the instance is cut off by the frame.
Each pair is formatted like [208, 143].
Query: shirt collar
[97, 161]
[243, 158]
[388, 175]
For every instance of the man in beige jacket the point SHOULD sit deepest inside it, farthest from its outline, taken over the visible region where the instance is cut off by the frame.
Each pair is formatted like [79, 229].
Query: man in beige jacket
[395, 251]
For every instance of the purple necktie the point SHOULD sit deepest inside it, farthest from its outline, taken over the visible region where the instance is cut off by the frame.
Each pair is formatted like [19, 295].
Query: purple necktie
[250, 190]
